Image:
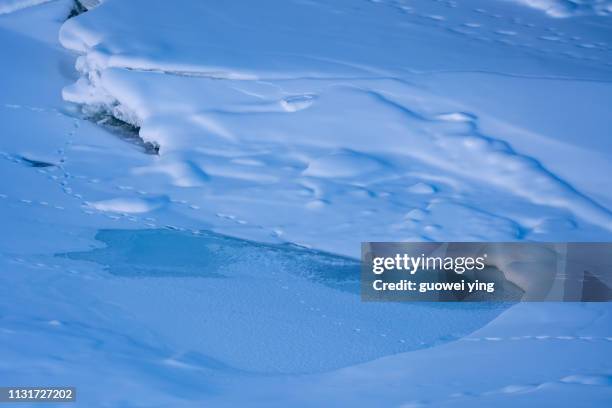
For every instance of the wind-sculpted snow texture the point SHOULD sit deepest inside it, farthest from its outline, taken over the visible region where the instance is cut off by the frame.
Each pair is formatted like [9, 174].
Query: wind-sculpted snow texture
[286, 119]
[185, 186]
[569, 8]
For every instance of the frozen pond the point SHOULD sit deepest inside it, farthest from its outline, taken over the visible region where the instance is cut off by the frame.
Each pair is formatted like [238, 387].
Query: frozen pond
[289, 301]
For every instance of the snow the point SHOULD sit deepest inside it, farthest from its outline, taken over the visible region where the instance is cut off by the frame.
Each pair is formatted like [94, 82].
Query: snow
[570, 8]
[214, 102]
[128, 205]
[10, 6]
[221, 271]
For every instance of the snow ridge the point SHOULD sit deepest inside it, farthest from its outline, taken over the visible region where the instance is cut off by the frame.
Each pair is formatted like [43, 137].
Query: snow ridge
[10, 6]
[318, 139]
[570, 8]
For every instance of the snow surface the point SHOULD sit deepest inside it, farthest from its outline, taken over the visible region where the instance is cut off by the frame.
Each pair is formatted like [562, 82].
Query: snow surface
[569, 8]
[9, 6]
[182, 279]
[268, 119]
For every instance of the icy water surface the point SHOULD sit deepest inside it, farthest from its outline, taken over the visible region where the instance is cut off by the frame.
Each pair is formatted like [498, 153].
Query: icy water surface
[299, 308]
[170, 253]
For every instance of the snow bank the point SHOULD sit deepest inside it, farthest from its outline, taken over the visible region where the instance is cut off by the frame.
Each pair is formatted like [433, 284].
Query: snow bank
[327, 126]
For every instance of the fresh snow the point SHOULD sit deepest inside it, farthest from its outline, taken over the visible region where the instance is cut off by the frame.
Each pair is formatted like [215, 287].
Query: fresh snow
[268, 118]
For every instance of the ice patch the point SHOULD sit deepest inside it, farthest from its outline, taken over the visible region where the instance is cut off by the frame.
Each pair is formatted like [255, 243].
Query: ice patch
[238, 287]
